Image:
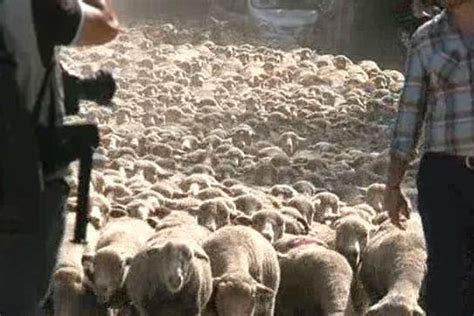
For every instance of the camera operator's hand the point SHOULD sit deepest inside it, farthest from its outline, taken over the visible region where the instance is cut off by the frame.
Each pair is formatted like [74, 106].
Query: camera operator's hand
[100, 22]
[100, 88]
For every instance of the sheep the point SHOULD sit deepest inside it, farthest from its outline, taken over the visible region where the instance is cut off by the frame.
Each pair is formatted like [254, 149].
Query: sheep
[295, 223]
[325, 203]
[99, 209]
[177, 272]
[314, 281]
[245, 270]
[374, 195]
[324, 233]
[304, 205]
[142, 209]
[214, 214]
[108, 266]
[69, 293]
[288, 242]
[211, 193]
[352, 236]
[248, 203]
[290, 142]
[305, 187]
[172, 219]
[181, 204]
[242, 136]
[197, 181]
[201, 168]
[284, 191]
[393, 269]
[269, 223]
[265, 173]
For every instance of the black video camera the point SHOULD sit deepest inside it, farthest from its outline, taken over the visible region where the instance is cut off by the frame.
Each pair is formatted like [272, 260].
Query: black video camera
[99, 87]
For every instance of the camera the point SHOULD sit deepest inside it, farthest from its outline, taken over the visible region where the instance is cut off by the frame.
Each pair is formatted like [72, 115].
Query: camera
[99, 87]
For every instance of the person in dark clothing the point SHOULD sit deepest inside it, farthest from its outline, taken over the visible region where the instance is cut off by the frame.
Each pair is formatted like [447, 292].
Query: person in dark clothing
[439, 96]
[31, 208]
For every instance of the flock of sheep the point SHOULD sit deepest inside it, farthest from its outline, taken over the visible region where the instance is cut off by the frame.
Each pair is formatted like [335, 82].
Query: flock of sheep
[236, 179]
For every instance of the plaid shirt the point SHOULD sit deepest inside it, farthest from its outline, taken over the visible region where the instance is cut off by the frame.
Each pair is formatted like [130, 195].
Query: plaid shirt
[438, 91]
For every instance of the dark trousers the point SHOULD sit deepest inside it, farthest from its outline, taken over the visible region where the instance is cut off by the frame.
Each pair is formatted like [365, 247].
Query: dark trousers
[446, 206]
[27, 259]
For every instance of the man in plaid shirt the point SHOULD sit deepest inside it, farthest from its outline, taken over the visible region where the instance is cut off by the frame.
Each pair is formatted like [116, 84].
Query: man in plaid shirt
[438, 99]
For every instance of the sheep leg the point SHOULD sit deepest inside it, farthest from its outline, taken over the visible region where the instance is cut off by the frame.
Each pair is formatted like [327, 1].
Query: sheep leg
[266, 311]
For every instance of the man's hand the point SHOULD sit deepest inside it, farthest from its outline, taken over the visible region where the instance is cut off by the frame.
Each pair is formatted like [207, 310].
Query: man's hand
[396, 204]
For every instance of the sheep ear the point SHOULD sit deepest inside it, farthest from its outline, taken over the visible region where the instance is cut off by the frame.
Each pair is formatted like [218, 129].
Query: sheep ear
[234, 214]
[418, 311]
[371, 313]
[373, 231]
[162, 212]
[128, 261]
[200, 254]
[334, 221]
[117, 213]
[193, 211]
[88, 265]
[216, 282]
[153, 222]
[373, 310]
[243, 220]
[87, 259]
[282, 256]
[154, 250]
[305, 224]
[264, 292]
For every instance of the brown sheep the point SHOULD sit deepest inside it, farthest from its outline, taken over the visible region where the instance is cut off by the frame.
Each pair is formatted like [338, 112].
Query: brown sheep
[265, 173]
[197, 181]
[324, 233]
[304, 205]
[214, 214]
[176, 271]
[245, 270]
[69, 294]
[352, 236]
[364, 210]
[295, 223]
[393, 268]
[108, 266]
[283, 191]
[242, 136]
[175, 218]
[325, 203]
[211, 193]
[314, 281]
[269, 223]
[305, 187]
[289, 242]
[248, 203]
[374, 195]
[290, 142]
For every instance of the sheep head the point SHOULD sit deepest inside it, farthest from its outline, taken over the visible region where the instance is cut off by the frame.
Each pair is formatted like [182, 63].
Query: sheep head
[237, 294]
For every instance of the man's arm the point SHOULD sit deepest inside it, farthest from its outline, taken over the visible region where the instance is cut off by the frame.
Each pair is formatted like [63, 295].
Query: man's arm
[411, 113]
